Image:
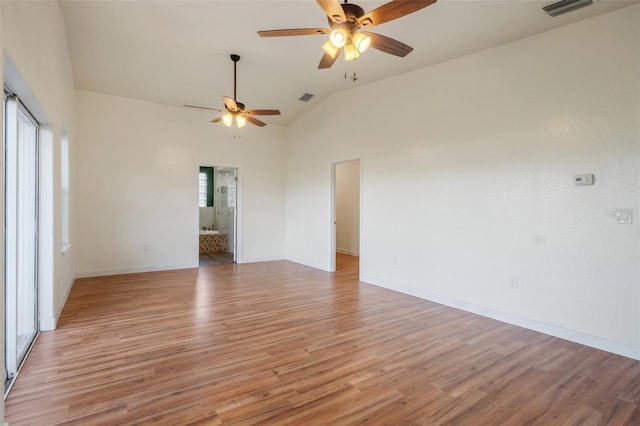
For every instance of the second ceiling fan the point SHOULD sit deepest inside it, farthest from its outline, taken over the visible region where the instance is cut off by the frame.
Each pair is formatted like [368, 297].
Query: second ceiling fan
[234, 110]
[346, 20]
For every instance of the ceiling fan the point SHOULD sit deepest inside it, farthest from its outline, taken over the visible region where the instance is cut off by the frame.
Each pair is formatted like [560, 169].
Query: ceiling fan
[346, 20]
[234, 110]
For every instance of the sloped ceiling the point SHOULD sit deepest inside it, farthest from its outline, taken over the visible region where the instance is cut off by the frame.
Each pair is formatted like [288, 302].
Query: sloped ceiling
[177, 52]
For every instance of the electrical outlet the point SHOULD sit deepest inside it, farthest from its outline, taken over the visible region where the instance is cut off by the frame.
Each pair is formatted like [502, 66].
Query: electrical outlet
[622, 216]
[514, 282]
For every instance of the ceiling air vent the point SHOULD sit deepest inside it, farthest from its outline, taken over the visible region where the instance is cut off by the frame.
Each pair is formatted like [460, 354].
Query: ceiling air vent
[306, 97]
[565, 6]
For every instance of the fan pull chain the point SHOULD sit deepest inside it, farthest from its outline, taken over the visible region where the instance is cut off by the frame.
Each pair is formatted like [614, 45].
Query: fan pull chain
[353, 78]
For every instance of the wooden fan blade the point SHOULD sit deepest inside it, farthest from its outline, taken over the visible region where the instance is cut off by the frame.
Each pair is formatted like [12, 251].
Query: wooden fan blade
[230, 104]
[207, 108]
[216, 120]
[255, 121]
[333, 10]
[262, 111]
[294, 32]
[388, 45]
[393, 10]
[327, 60]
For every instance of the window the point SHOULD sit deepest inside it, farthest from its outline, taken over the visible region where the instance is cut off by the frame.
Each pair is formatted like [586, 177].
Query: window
[205, 198]
[21, 233]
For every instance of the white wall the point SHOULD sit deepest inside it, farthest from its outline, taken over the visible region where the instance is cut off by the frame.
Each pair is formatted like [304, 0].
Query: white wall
[348, 207]
[482, 155]
[207, 217]
[34, 42]
[137, 184]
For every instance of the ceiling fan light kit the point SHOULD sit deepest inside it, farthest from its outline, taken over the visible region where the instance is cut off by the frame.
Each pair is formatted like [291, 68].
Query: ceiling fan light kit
[240, 121]
[330, 49]
[361, 41]
[350, 52]
[345, 21]
[338, 37]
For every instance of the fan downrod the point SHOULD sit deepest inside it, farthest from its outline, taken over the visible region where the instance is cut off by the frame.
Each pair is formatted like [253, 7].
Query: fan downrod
[235, 58]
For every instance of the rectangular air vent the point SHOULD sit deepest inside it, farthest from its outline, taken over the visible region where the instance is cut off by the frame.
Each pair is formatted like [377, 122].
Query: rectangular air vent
[306, 97]
[565, 6]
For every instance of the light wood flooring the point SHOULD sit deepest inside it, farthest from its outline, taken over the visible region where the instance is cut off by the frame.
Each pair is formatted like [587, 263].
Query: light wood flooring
[215, 258]
[277, 343]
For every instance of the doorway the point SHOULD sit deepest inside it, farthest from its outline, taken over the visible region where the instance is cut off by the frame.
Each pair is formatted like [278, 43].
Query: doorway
[21, 234]
[346, 216]
[218, 215]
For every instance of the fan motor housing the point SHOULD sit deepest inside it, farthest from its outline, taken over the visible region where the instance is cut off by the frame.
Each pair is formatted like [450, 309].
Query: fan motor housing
[352, 11]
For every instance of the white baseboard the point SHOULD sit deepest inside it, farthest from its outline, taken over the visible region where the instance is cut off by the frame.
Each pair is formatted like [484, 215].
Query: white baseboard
[349, 252]
[133, 270]
[623, 349]
[49, 324]
[260, 259]
[308, 263]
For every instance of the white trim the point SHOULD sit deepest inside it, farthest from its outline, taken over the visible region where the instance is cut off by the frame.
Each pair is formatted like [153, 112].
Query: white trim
[46, 248]
[47, 324]
[134, 270]
[13, 80]
[260, 259]
[333, 248]
[541, 327]
[305, 262]
[349, 252]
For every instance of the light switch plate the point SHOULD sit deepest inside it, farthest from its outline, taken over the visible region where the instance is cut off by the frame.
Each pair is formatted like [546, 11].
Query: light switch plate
[622, 216]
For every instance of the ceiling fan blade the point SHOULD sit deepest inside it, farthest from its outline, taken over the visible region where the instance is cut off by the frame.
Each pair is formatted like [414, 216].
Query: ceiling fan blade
[388, 45]
[327, 60]
[216, 120]
[230, 104]
[333, 10]
[293, 32]
[207, 108]
[393, 10]
[255, 121]
[262, 111]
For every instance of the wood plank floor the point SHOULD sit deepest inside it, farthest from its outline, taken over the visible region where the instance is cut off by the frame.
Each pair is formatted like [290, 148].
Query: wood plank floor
[215, 258]
[277, 343]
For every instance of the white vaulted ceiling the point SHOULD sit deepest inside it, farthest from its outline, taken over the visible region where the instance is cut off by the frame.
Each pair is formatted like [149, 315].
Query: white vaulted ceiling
[177, 52]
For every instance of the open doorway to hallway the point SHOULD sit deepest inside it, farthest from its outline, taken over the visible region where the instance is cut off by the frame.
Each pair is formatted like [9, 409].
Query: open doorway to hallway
[218, 213]
[346, 229]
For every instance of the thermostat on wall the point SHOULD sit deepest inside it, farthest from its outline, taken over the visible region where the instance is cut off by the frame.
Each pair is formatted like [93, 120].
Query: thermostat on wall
[580, 180]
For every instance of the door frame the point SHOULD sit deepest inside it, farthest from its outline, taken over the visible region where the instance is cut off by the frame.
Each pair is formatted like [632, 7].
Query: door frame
[237, 228]
[332, 224]
[13, 364]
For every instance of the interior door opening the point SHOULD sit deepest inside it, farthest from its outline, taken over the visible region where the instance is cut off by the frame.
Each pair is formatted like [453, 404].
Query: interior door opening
[218, 215]
[346, 217]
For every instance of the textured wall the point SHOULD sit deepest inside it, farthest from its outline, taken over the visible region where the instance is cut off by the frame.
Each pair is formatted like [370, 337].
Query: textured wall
[137, 185]
[480, 159]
